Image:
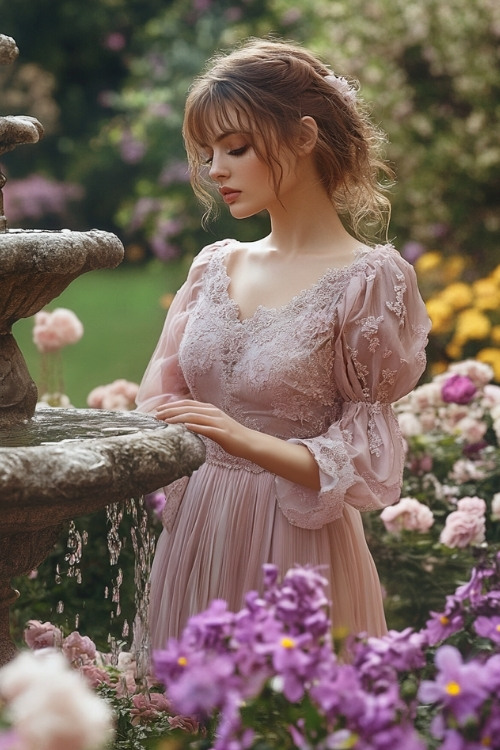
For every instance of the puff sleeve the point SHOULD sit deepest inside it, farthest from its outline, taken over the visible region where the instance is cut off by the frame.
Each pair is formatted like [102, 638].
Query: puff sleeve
[163, 380]
[379, 343]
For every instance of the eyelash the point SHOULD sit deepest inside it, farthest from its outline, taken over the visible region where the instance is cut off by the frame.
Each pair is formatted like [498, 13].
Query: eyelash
[233, 152]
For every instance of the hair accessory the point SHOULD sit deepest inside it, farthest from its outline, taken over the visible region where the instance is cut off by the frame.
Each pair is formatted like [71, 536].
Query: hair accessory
[343, 86]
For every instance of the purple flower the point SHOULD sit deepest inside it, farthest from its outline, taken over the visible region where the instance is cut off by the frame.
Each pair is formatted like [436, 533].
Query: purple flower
[459, 687]
[458, 389]
[443, 624]
[488, 627]
[203, 686]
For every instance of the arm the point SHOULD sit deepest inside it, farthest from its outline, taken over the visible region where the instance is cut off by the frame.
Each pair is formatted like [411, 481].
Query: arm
[280, 457]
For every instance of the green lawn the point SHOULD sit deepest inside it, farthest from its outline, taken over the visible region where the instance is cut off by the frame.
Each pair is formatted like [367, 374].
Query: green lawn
[122, 314]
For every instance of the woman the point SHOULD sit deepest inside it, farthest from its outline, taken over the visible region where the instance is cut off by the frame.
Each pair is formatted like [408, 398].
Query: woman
[283, 354]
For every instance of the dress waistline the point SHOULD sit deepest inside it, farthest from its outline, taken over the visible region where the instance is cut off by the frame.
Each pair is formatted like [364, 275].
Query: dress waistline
[217, 456]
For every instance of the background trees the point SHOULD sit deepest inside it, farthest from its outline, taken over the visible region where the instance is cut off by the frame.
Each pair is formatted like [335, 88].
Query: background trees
[109, 78]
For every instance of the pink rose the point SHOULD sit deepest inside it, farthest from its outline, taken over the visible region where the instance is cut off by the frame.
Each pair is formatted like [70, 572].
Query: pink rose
[408, 514]
[458, 389]
[79, 649]
[495, 507]
[53, 330]
[147, 707]
[472, 430]
[42, 635]
[463, 528]
[94, 675]
[476, 506]
[119, 395]
[187, 723]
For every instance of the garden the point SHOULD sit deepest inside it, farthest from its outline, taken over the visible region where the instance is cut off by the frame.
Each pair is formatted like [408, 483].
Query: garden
[109, 86]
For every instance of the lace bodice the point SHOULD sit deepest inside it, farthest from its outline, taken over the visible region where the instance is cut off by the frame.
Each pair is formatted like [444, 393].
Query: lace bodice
[321, 370]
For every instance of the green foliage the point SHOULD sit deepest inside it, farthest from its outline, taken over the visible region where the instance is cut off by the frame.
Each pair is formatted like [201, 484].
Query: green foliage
[430, 69]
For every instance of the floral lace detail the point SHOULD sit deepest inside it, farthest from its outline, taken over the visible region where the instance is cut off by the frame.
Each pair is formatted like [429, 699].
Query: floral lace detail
[320, 370]
[217, 456]
[398, 307]
[369, 329]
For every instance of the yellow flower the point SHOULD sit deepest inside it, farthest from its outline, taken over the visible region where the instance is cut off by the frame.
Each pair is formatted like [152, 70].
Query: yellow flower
[440, 313]
[495, 275]
[458, 295]
[487, 294]
[436, 368]
[492, 357]
[495, 334]
[428, 262]
[454, 267]
[472, 324]
[454, 350]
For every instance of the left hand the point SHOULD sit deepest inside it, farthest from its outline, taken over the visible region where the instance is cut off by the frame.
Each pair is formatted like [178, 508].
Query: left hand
[209, 421]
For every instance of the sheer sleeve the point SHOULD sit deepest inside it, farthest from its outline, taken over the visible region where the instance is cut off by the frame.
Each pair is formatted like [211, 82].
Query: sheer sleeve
[379, 343]
[163, 380]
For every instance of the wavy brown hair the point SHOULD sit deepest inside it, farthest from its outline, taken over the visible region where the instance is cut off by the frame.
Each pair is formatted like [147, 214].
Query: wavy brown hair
[263, 88]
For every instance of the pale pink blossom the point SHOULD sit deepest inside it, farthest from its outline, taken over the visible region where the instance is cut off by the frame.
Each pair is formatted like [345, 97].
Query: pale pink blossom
[119, 395]
[491, 395]
[495, 507]
[187, 723]
[53, 330]
[462, 529]
[409, 424]
[79, 649]
[465, 470]
[476, 506]
[472, 430]
[428, 420]
[50, 705]
[147, 707]
[42, 635]
[427, 396]
[408, 514]
[94, 675]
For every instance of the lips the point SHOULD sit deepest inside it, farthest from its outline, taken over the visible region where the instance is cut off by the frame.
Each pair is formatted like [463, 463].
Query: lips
[229, 195]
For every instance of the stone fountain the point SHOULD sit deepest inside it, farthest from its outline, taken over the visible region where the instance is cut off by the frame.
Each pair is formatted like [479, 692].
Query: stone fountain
[57, 464]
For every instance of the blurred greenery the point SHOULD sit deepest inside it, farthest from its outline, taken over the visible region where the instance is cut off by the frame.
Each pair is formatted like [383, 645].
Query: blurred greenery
[109, 84]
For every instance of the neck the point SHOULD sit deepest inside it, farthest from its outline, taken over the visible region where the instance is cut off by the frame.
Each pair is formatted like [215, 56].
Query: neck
[307, 223]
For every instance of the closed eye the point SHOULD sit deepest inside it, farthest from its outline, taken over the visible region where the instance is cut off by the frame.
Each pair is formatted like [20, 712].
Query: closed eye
[238, 151]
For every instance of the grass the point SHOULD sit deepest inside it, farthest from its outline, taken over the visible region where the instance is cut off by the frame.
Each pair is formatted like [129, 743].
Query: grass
[122, 311]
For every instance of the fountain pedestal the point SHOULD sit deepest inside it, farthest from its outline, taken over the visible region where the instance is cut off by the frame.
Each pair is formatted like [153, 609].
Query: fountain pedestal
[58, 464]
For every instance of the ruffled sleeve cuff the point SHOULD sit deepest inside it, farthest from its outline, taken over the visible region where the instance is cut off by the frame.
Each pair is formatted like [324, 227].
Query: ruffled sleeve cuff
[312, 509]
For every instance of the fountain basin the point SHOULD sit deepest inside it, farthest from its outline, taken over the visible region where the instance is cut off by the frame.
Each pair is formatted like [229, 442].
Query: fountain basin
[113, 456]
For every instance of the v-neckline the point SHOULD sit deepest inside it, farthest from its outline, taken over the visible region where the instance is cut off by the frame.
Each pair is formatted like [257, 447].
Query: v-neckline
[263, 310]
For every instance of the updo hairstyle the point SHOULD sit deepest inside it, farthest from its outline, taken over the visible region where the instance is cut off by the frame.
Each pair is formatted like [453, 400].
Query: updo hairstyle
[268, 86]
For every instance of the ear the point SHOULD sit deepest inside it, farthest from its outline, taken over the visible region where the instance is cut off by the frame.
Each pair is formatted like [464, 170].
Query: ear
[308, 136]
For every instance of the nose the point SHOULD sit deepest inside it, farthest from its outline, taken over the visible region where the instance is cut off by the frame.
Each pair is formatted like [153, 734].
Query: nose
[218, 168]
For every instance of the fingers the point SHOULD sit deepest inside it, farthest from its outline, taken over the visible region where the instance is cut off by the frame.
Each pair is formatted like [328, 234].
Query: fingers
[188, 411]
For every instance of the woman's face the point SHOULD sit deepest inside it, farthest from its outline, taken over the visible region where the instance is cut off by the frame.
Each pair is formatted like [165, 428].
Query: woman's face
[245, 181]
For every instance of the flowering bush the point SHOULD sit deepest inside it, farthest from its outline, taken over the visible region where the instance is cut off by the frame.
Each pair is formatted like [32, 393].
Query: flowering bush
[268, 676]
[271, 676]
[424, 544]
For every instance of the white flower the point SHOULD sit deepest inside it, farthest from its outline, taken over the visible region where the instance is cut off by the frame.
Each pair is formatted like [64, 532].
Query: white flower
[50, 705]
[410, 424]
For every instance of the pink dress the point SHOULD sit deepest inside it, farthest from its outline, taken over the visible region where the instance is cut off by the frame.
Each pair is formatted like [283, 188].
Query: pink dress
[321, 370]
